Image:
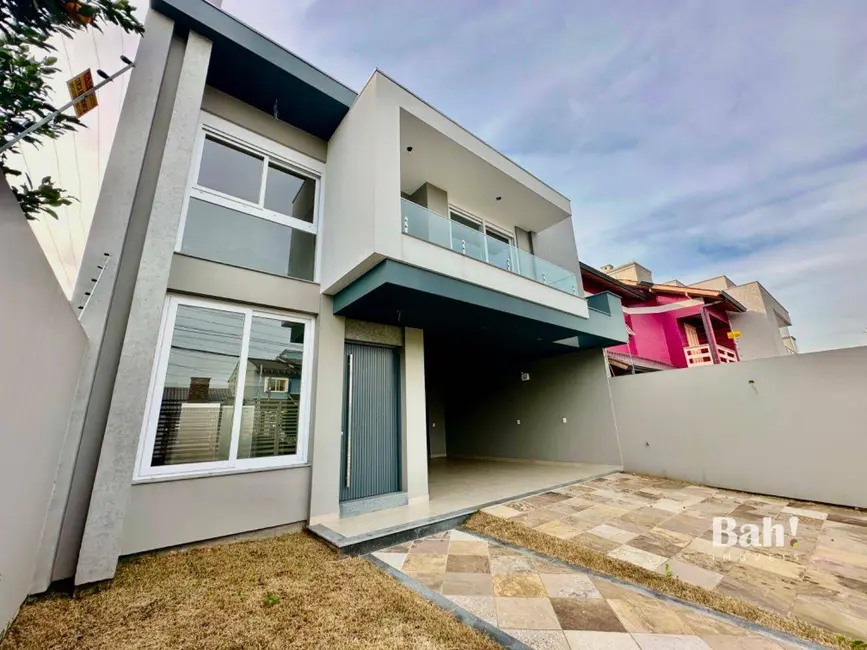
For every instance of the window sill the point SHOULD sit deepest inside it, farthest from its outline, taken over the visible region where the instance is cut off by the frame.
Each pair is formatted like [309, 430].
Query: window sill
[143, 480]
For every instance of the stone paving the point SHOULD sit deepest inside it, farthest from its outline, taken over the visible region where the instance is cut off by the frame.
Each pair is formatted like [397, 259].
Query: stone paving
[664, 525]
[548, 606]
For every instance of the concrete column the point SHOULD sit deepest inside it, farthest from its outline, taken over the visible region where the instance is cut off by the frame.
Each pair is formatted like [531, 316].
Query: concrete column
[100, 546]
[414, 416]
[327, 415]
[61, 535]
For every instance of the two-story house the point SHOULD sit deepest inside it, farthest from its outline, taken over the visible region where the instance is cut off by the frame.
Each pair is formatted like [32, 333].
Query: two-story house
[313, 305]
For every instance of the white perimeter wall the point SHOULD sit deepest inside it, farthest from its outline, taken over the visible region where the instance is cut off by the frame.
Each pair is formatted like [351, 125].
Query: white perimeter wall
[793, 426]
[41, 348]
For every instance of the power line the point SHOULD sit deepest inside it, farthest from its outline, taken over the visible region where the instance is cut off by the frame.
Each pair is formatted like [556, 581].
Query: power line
[75, 149]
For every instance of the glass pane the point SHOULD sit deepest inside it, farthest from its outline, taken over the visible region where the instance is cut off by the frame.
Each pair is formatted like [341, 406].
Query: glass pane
[195, 420]
[500, 250]
[230, 170]
[231, 237]
[467, 240]
[290, 194]
[424, 224]
[272, 389]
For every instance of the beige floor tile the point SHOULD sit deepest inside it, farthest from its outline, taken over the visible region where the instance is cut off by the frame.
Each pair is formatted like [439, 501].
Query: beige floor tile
[429, 547]
[547, 566]
[691, 573]
[669, 642]
[512, 564]
[467, 584]
[649, 561]
[614, 534]
[526, 614]
[559, 528]
[517, 585]
[593, 614]
[468, 564]
[687, 525]
[569, 585]
[704, 624]
[463, 547]
[650, 616]
[432, 581]
[765, 589]
[807, 513]
[502, 511]
[845, 616]
[610, 590]
[728, 642]
[596, 543]
[394, 560]
[669, 505]
[583, 640]
[482, 606]
[751, 559]
[661, 542]
[423, 563]
[538, 517]
[541, 639]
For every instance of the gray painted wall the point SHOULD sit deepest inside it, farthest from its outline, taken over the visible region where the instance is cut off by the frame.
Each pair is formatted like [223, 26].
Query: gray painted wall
[41, 345]
[212, 279]
[265, 125]
[101, 541]
[792, 426]
[118, 228]
[760, 337]
[169, 513]
[558, 244]
[485, 402]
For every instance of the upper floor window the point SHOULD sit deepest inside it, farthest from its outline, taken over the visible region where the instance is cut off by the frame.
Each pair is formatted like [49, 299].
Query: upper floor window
[252, 202]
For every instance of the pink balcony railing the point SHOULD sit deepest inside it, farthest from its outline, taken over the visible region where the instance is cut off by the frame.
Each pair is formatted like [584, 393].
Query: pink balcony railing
[699, 355]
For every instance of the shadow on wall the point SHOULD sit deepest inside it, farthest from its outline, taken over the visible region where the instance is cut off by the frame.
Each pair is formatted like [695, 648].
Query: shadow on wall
[562, 412]
[41, 348]
[793, 426]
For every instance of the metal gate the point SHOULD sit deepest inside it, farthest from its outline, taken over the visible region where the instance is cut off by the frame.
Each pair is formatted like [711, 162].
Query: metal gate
[370, 462]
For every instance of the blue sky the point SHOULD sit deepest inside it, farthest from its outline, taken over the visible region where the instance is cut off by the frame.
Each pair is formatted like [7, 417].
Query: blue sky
[698, 138]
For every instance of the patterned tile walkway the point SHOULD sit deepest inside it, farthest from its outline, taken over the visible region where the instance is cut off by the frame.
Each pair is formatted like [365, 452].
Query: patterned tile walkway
[657, 523]
[547, 606]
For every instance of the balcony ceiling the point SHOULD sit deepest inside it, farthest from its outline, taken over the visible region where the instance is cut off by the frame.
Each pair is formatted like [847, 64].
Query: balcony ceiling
[471, 182]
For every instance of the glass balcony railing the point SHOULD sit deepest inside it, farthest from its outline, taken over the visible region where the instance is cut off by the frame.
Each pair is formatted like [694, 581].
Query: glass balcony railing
[437, 229]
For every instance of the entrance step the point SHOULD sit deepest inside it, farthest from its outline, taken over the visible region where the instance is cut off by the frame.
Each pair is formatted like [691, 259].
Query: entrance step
[372, 504]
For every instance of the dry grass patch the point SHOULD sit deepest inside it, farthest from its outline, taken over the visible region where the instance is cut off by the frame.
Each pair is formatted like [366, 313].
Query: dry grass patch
[286, 592]
[578, 555]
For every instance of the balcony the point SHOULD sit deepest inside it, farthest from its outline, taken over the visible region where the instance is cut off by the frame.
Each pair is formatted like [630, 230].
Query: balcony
[421, 223]
[700, 355]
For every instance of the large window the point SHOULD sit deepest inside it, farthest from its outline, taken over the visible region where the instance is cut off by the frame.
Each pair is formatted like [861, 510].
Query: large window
[230, 390]
[252, 203]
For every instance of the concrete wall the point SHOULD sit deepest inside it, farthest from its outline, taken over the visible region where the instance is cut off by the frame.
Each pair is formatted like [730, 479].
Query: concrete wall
[211, 279]
[169, 513]
[413, 415]
[246, 116]
[101, 541]
[485, 401]
[791, 426]
[119, 224]
[41, 345]
[760, 338]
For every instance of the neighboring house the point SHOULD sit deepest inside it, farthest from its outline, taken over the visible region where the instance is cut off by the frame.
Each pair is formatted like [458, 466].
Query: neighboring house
[385, 286]
[764, 326]
[749, 309]
[669, 325]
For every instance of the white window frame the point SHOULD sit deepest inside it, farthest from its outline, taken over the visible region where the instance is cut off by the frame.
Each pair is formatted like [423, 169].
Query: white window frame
[284, 385]
[270, 151]
[484, 227]
[147, 439]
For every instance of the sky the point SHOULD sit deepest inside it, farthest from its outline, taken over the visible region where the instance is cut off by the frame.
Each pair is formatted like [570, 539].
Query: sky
[698, 138]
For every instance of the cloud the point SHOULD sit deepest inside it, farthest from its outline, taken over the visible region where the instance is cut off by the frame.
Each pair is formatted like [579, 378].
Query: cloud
[700, 138]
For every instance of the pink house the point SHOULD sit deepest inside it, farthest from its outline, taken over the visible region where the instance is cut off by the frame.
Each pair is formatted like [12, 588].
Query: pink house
[669, 325]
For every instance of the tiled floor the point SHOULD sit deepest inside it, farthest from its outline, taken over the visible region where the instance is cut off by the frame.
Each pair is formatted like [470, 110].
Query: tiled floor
[456, 485]
[654, 523]
[550, 607]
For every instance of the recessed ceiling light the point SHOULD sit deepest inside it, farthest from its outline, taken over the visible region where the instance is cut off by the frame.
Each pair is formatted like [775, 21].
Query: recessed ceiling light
[409, 149]
[499, 198]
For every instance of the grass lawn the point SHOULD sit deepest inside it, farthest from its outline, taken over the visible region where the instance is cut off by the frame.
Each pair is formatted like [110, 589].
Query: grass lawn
[285, 592]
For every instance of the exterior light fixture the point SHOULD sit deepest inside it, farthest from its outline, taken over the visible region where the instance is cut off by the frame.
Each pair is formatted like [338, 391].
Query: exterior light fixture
[499, 198]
